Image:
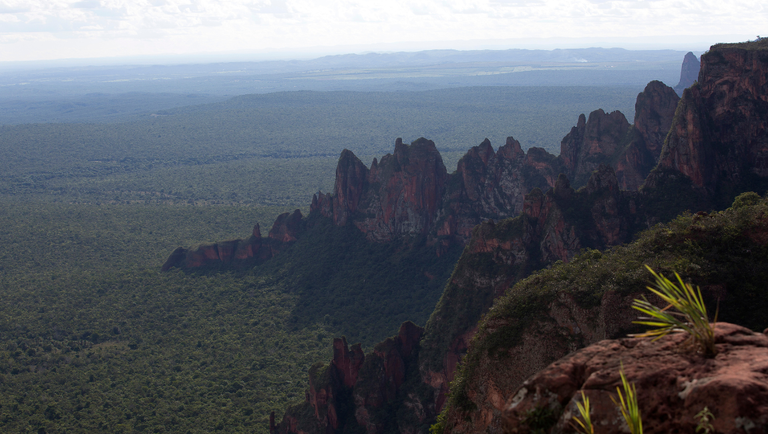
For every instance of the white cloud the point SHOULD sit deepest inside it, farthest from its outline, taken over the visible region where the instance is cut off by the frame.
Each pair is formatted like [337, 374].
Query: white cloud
[92, 28]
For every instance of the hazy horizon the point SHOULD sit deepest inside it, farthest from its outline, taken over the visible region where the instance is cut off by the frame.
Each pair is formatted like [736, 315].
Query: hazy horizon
[254, 30]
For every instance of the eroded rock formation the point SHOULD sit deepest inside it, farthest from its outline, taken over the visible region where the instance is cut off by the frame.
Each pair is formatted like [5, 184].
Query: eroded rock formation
[673, 385]
[355, 389]
[689, 72]
[537, 324]
[718, 140]
[409, 193]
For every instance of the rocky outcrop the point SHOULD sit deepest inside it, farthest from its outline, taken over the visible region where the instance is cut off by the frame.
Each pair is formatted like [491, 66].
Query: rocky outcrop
[356, 389]
[689, 73]
[718, 140]
[410, 194]
[654, 111]
[712, 152]
[592, 142]
[585, 298]
[553, 227]
[569, 306]
[673, 385]
[492, 185]
[607, 138]
[240, 253]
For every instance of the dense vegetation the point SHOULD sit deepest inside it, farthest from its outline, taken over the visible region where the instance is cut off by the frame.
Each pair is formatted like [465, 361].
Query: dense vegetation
[93, 338]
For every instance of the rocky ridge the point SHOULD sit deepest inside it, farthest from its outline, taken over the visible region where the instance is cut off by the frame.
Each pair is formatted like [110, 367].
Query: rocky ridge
[700, 138]
[499, 254]
[569, 306]
[409, 193]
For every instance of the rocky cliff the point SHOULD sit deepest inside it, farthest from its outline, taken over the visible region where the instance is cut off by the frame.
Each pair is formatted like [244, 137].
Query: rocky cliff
[689, 73]
[587, 298]
[409, 193]
[608, 138]
[712, 152]
[569, 306]
[357, 390]
[718, 140]
[240, 253]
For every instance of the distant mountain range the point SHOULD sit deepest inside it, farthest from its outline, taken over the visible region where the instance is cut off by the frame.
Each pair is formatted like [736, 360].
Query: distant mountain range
[373, 71]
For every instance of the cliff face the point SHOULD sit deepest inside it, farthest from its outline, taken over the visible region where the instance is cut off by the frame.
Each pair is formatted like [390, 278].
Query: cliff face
[553, 227]
[569, 306]
[718, 139]
[409, 193]
[689, 72]
[575, 304]
[355, 389]
[713, 151]
[607, 138]
[654, 111]
[240, 253]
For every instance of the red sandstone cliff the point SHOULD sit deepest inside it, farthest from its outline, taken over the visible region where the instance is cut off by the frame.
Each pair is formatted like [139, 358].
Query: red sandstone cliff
[409, 192]
[554, 226]
[252, 250]
[713, 151]
[718, 140]
[607, 138]
[355, 389]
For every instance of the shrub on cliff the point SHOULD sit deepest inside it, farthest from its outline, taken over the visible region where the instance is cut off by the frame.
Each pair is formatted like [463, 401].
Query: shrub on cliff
[725, 253]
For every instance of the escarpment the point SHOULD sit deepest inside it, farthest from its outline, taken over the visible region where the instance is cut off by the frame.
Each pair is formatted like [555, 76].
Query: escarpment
[409, 193]
[718, 140]
[575, 304]
[711, 154]
[585, 298]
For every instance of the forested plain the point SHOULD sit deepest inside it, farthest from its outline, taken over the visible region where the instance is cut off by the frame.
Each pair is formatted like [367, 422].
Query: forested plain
[94, 338]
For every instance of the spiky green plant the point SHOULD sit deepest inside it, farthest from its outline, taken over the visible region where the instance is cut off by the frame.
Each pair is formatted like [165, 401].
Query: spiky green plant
[705, 418]
[583, 425]
[628, 404]
[690, 316]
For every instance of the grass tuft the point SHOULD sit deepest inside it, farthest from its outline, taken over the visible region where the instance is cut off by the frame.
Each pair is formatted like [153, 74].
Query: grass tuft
[628, 404]
[583, 425]
[690, 316]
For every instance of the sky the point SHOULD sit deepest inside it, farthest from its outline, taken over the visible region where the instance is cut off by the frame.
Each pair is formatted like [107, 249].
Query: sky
[32, 30]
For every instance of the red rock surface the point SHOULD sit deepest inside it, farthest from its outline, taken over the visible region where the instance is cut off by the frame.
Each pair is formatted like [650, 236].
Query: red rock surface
[409, 192]
[287, 227]
[673, 385]
[654, 111]
[355, 387]
[719, 138]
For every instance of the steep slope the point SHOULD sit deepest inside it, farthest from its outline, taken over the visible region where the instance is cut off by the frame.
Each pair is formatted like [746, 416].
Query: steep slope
[689, 72]
[711, 153]
[718, 140]
[569, 306]
[553, 227]
[501, 253]
[607, 138]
